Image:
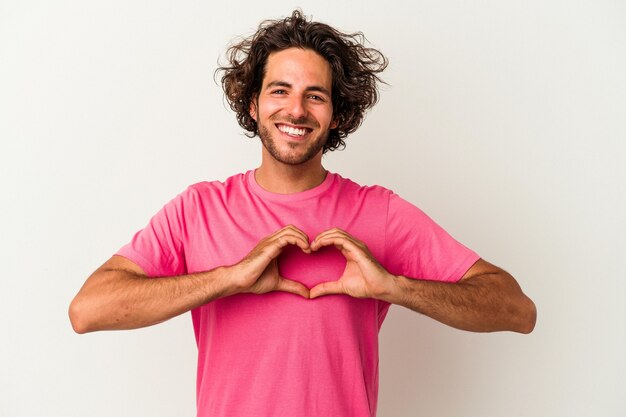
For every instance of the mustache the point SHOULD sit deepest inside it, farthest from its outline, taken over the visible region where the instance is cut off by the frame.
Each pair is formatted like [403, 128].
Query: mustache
[301, 121]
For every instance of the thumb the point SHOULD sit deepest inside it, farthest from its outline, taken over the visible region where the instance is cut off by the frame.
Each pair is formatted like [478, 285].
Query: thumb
[326, 288]
[293, 287]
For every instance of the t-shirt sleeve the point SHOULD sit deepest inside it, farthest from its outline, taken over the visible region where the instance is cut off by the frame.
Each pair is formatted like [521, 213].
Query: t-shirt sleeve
[158, 248]
[417, 247]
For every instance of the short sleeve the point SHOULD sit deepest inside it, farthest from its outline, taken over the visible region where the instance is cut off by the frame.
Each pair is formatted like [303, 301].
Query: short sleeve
[158, 248]
[417, 247]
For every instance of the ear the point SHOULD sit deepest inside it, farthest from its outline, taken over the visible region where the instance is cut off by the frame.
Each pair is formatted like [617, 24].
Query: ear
[252, 111]
[334, 123]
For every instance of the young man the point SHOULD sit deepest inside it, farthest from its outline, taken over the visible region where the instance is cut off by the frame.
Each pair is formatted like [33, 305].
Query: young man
[289, 270]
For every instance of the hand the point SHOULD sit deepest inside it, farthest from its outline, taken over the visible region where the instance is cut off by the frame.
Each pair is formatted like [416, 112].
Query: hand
[258, 272]
[363, 277]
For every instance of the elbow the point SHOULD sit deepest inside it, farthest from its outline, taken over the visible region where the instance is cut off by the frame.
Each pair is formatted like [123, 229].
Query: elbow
[527, 316]
[78, 317]
[521, 309]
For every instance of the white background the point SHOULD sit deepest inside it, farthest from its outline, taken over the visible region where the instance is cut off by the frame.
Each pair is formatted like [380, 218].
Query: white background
[504, 120]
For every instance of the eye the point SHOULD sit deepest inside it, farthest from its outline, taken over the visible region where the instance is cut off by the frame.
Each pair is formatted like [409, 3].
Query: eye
[316, 97]
[278, 92]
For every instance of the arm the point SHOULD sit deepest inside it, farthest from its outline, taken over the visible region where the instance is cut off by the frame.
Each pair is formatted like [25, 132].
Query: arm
[119, 295]
[485, 299]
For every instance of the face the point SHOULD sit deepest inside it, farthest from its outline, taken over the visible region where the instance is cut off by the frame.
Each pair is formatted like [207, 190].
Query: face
[294, 108]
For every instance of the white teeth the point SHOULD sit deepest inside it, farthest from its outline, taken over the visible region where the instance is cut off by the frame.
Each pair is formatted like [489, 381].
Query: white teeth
[292, 130]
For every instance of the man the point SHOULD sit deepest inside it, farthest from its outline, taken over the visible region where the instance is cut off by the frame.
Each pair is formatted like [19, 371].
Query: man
[289, 270]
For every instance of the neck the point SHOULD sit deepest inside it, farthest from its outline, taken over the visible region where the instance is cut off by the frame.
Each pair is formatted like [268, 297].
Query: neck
[281, 178]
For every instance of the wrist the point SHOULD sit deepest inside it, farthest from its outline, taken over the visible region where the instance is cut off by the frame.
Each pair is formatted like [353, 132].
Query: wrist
[225, 284]
[391, 290]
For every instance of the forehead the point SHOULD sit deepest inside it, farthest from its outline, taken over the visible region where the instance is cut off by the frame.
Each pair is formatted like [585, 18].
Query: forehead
[299, 67]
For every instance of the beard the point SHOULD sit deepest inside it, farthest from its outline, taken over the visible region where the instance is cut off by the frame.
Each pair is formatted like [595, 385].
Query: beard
[297, 152]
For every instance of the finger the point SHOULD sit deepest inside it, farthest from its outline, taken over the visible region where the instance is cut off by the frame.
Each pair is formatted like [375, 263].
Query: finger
[326, 288]
[291, 229]
[343, 243]
[272, 248]
[333, 231]
[294, 236]
[295, 229]
[282, 241]
[293, 287]
[333, 234]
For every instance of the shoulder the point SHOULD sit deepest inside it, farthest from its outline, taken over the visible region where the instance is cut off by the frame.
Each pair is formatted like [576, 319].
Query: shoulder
[203, 193]
[346, 185]
[207, 188]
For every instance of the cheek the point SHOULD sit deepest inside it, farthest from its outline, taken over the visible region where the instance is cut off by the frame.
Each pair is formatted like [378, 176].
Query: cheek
[269, 109]
[326, 118]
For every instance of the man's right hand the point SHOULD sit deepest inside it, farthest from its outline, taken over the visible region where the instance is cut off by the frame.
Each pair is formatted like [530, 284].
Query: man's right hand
[119, 295]
[258, 273]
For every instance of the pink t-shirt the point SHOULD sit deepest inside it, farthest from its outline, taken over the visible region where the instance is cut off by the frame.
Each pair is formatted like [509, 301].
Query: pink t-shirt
[279, 354]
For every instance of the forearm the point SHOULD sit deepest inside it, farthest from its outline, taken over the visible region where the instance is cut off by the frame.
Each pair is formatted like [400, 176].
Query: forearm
[485, 303]
[116, 299]
[119, 295]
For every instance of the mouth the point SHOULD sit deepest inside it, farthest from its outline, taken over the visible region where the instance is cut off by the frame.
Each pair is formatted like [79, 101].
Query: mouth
[293, 131]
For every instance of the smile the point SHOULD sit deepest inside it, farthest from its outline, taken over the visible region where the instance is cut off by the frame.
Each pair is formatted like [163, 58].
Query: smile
[293, 131]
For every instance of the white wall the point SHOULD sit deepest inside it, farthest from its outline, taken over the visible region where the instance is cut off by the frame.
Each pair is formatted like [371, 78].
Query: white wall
[505, 121]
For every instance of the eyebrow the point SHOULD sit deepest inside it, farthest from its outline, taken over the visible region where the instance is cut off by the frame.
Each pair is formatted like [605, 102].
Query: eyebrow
[288, 85]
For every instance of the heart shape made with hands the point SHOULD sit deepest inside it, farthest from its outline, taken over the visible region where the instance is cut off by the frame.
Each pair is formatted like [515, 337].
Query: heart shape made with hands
[311, 269]
[352, 266]
[339, 264]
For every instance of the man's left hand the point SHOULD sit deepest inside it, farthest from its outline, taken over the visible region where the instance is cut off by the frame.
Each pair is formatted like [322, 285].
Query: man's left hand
[486, 299]
[363, 277]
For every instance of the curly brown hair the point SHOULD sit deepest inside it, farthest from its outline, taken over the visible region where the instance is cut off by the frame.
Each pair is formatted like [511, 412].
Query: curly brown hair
[354, 70]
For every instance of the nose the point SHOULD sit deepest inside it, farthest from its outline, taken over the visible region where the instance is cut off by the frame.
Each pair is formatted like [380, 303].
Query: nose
[296, 107]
